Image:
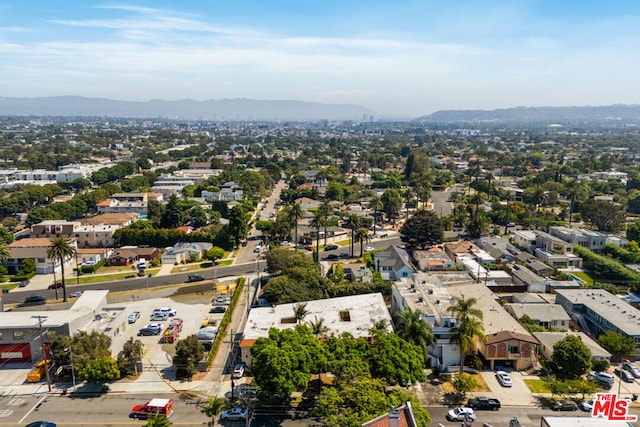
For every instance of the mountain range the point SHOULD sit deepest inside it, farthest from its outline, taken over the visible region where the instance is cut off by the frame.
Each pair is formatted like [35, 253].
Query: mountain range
[618, 114]
[222, 109]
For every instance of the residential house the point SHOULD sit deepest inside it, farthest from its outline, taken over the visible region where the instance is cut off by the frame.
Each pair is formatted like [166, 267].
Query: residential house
[432, 259]
[128, 202]
[393, 263]
[548, 339]
[396, 417]
[182, 252]
[35, 248]
[357, 273]
[550, 316]
[592, 240]
[525, 277]
[129, 255]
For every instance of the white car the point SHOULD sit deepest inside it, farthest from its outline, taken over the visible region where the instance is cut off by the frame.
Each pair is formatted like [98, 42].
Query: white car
[369, 249]
[133, 317]
[159, 316]
[234, 414]
[461, 413]
[238, 371]
[76, 294]
[587, 405]
[170, 312]
[504, 379]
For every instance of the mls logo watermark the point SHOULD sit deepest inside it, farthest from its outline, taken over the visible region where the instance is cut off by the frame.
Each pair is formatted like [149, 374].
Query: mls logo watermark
[608, 405]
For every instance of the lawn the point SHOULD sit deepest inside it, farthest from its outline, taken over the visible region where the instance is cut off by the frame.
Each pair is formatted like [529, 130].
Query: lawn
[447, 386]
[583, 276]
[10, 285]
[90, 278]
[537, 386]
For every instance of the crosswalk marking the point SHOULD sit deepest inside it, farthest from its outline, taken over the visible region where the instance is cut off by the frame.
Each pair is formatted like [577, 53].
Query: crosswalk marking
[17, 402]
[6, 412]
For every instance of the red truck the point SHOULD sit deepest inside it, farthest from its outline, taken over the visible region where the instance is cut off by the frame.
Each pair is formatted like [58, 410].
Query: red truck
[161, 407]
[170, 334]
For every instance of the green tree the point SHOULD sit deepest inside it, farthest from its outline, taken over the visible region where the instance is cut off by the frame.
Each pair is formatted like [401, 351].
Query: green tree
[238, 227]
[213, 408]
[391, 204]
[423, 229]
[214, 253]
[375, 203]
[284, 362]
[605, 216]
[300, 312]
[362, 236]
[617, 344]
[61, 250]
[189, 351]
[464, 383]
[294, 214]
[27, 266]
[395, 359]
[317, 221]
[101, 370]
[157, 421]
[352, 222]
[173, 214]
[411, 327]
[318, 328]
[571, 357]
[469, 328]
[131, 355]
[327, 211]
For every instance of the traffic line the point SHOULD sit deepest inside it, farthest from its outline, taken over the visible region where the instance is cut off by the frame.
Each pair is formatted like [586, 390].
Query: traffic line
[33, 409]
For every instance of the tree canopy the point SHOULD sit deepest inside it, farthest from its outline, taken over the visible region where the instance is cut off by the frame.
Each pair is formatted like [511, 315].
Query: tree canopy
[423, 229]
[571, 357]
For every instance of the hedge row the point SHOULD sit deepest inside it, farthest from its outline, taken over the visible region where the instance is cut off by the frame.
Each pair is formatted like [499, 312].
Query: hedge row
[226, 319]
[608, 269]
[92, 268]
[20, 278]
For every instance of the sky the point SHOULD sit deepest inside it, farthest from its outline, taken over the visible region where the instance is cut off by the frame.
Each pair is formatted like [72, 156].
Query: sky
[400, 58]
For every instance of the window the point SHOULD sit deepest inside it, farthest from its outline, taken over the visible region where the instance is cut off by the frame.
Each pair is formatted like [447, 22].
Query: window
[18, 335]
[41, 260]
[514, 349]
[345, 316]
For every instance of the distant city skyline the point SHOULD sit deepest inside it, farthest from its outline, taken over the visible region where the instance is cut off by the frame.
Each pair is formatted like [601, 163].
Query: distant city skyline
[400, 59]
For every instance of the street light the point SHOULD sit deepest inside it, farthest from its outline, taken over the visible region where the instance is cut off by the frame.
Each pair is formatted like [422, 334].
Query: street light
[73, 371]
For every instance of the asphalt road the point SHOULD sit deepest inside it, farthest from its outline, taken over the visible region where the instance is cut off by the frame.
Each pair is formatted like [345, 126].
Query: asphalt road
[440, 199]
[114, 409]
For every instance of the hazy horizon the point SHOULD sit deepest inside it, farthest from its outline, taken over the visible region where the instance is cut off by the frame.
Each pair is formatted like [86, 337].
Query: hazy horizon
[407, 58]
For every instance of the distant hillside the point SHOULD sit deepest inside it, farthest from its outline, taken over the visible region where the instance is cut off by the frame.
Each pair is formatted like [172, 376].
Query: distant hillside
[223, 109]
[627, 114]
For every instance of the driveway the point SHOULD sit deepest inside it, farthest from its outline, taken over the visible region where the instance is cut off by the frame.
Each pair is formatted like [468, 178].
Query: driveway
[516, 395]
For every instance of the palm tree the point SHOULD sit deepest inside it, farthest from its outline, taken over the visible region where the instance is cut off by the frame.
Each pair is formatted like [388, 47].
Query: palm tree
[213, 408]
[362, 236]
[5, 254]
[352, 222]
[378, 326]
[469, 326]
[465, 335]
[157, 421]
[411, 327]
[300, 312]
[294, 214]
[327, 211]
[376, 204]
[318, 327]
[317, 221]
[61, 250]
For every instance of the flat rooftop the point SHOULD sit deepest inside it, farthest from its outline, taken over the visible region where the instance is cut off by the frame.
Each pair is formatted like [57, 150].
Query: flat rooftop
[353, 314]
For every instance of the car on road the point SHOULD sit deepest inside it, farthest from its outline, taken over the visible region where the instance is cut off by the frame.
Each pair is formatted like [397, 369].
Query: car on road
[56, 285]
[369, 249]
[461, 414]
[195, 278]
[234, 414]
[41, 424]
[633, 369]
[564, 405]
[344, 255]
[625, 376]
[76, 294]
[331, 247]
[331, 256]
[33, 299]
[238, 371]
[484, 403]
[244, 243]
[133, 317]
[218, 309]
[504, 379]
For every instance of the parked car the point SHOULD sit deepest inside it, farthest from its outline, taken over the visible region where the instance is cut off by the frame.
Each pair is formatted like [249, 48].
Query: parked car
[331, 256]
[57, 285]
[33, 299]
[603, 378]
[195, 278]
[483, 403]
[331, 247]
[369, 249]
[150, 329]
[234, 414]
[633, 369]
[133, 317]
[238, 371]
[344, 255]
[564, 405]
[218, 309]
[221, 300]
[586, 405]
[461, 414]
[141, 273]
[625, 376]
[159, 316]
[41, 424]
[76, 294]
[170, 312]
[504, 379]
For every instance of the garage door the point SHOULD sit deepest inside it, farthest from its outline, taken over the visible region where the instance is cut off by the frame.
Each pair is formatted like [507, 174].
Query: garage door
[15, 353]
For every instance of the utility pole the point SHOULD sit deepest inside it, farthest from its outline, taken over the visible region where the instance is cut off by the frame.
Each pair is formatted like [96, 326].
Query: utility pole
[44, 354]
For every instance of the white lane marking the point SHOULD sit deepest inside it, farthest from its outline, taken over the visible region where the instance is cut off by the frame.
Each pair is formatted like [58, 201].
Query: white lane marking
[32, 409]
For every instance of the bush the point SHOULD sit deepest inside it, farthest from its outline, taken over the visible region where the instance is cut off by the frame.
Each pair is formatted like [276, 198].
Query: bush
[600, 365]
[92, 268]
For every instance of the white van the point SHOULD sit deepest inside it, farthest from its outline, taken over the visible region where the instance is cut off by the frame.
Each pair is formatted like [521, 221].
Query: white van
[258, 249]
[142, 264]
